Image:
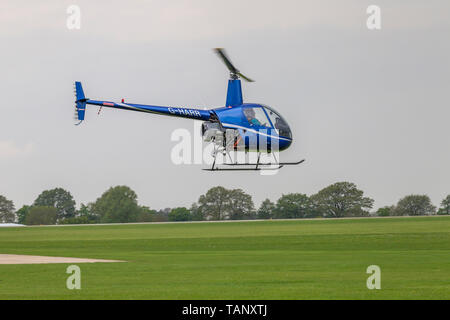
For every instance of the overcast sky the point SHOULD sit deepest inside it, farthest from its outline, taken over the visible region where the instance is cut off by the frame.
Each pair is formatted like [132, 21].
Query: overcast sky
[366, 106]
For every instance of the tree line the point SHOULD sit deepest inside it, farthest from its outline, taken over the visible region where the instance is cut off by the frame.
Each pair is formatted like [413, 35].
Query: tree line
[119, 205]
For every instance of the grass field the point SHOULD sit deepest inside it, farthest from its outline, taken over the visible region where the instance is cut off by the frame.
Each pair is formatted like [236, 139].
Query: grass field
[311, 259]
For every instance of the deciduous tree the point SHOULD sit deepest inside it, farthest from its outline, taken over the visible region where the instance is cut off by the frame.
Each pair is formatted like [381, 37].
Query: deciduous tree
[241, 205]
[415, 205]
[41, 215]
[445, 206]
[266, 210]
[219, 203]
[386, 211]
[7, 214]
[117, 204]
[196, 212]
[341, 199]
[146, 214]
[180, 214]
[294, 205]
[59, 198]
[214, 204]
[22, 214]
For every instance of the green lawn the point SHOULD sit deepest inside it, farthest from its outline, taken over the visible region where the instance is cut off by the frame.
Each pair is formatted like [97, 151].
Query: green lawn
[311, 259]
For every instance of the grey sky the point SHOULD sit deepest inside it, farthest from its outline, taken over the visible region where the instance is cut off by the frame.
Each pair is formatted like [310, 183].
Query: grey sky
[371, 107]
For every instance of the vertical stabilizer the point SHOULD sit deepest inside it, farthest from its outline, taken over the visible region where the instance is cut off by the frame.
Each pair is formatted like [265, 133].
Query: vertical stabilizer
[80, 102]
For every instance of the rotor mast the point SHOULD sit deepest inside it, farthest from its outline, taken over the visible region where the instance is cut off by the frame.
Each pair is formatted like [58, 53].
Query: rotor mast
[234, 91]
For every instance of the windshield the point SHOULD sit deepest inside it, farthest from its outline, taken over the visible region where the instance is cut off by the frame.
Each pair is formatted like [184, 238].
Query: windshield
[278, 122]
[256, 117]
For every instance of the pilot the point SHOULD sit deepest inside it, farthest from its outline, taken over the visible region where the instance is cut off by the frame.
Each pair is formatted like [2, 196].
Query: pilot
[250, 115]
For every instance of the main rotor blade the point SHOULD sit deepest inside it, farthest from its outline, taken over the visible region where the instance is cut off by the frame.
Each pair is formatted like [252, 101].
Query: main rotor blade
[245, 78]
[221, 53]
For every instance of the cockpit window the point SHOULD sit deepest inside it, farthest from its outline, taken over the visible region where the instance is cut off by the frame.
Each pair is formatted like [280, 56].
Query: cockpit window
[257, 117]
[278, 122]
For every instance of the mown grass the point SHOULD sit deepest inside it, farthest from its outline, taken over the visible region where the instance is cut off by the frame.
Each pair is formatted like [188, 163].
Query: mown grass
[311, 259]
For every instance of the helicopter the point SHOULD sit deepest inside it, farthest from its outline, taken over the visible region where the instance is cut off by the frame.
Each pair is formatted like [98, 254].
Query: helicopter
[237, 126]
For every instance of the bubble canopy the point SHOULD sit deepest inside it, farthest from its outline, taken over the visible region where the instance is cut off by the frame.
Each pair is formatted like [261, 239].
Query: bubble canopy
[265, 116]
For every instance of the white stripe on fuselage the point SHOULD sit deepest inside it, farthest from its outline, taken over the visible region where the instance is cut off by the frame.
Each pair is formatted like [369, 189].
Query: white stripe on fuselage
[254, 131]
[224, 124]
[175, 112]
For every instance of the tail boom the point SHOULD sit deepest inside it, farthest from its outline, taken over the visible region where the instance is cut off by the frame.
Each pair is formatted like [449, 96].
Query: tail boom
[190, 113]
[81, 102]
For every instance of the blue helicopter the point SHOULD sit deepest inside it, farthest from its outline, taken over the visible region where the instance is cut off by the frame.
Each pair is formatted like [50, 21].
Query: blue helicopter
[238, 126]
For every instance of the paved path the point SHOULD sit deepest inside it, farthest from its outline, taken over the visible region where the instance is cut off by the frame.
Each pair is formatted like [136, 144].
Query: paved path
[26, 259]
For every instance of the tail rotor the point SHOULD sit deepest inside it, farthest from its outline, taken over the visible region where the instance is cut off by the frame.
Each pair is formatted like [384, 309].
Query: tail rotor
[80, 102]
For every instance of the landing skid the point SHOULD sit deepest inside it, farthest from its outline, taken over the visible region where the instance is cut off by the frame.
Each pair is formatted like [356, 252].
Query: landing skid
[242, 169]
[253, 166]
[266, 164]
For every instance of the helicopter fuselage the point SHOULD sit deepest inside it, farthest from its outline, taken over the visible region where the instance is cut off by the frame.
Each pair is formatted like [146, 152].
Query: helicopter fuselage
[237, 126]
[266, 131]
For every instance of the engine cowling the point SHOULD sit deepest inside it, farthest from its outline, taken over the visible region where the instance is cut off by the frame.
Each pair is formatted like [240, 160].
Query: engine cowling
[212, 131]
